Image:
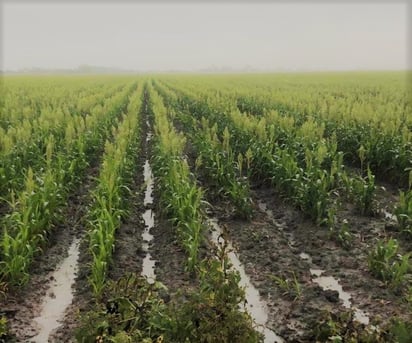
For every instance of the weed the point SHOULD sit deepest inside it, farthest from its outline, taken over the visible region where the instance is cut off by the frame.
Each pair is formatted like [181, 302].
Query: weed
[4, 331]
[290, 287]
[133, 312]
[401, 331]
[342, 234]
[342, 327]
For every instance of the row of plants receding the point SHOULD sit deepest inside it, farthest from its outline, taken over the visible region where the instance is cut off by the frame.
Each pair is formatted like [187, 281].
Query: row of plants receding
[23, 141]
[133, 309]
[309, 185]
[38, 206]
[109, 198]
[255, 134]
[303, 165]
[216, 160]
[374, 116]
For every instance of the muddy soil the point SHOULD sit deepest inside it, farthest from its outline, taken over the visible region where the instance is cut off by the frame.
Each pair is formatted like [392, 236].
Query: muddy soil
[170, 258]
[127, 257]
[271, 246]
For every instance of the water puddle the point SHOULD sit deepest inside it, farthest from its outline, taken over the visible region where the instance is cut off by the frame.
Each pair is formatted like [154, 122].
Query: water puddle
[389, 216]
[330, 283]
[148, 179]
[148, 217]
[326, 282]
[362, 317]
[255, 305]
[306, 257]
[59, 296]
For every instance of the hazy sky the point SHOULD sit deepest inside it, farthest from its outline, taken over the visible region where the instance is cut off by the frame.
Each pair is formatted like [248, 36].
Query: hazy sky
[194, 36]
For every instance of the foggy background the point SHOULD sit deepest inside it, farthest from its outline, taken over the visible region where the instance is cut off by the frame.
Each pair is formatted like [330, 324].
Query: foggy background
[205, 36]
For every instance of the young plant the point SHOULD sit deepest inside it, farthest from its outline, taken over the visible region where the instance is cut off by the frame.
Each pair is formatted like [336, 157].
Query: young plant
[403, 212]
[401, 331]
[4, 331]
[290, 287]
[387, 265]
[342, 234]
[362, 192]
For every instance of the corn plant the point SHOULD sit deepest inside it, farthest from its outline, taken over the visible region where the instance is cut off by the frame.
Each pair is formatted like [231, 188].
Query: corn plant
[26, 227]
[220, 166]
[4, 331]
[341, 234]
[403, 211]
[387, 264]
[361, 190]
[290, 286]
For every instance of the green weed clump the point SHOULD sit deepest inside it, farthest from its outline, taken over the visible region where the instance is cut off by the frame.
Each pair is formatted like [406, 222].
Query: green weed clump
[342, 327]
[133, 310]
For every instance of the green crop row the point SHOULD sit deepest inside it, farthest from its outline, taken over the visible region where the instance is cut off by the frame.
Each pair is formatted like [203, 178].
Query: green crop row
[109, 197]
[180, 196]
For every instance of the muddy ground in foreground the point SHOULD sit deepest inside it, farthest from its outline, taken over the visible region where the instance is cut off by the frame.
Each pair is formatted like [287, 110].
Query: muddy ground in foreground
[271, 245]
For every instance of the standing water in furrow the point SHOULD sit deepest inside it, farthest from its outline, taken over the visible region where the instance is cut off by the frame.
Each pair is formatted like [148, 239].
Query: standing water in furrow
[59, 296]
[148, 217]
[254, 304]
[325, 282]
[330, 283]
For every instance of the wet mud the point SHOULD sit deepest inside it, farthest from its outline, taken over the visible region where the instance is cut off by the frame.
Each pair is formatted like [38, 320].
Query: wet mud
[280, 243]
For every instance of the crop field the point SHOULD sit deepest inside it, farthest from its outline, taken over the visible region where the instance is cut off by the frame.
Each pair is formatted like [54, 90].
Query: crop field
[206, 208]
